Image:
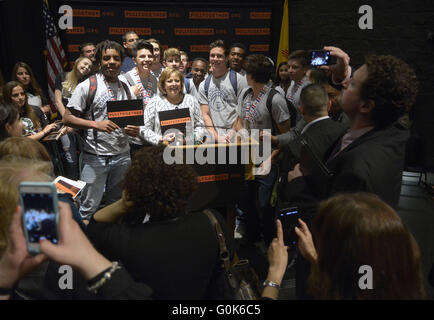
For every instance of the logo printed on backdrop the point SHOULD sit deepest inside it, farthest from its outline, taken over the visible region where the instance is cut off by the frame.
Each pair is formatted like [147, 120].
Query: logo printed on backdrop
[259, 47]
[186, 27]
[87, 13]
[121, 31]
[75, 30]
[208, 15]
[252, 31]
[73, 47]
[260, 15]
[145, 14]
[199, 48]
[194, 32]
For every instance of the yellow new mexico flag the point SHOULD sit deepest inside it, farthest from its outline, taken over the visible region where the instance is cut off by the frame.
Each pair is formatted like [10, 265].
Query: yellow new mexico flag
[283, 52]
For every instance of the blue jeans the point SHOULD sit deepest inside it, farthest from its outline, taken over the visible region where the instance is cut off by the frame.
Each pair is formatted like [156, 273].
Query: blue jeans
[100, 171]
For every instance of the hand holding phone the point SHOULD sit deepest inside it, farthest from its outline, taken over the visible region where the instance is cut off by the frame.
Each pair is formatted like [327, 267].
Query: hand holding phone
[289, 218]
[341, 67]
[16, 261]
[305, 242]
[40, 213]
[319, 58]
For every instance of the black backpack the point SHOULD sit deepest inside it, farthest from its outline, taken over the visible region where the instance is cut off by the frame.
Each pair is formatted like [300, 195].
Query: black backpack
[293, 112]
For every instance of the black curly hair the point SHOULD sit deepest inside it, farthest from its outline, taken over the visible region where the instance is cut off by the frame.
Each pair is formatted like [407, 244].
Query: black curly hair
[105, 45]
[156, 188]
[392, 85]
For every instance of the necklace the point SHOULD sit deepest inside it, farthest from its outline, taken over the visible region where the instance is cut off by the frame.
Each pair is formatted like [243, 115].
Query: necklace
[251, 113]
[112, 95]
[294, 90]
[145, 93]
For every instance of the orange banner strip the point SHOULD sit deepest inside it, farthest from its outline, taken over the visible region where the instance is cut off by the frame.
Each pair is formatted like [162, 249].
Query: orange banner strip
[174, 121]
[213, 177]
[120, 114]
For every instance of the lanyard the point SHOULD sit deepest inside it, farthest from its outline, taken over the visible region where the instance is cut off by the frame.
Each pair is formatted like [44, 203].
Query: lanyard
[251, 106]
[294, 90]
[112, 95]
[146, 93]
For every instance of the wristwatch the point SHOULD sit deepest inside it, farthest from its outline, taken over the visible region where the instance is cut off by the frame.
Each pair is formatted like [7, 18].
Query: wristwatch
[268, 283]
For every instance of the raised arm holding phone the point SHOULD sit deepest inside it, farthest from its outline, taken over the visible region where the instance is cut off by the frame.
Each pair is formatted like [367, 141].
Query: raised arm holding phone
[73, 249]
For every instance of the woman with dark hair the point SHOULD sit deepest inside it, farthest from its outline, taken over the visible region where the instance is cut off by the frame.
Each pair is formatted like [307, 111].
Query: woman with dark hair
[23, 74]
[159, 243]
[10, 124]
[35, 124]
[283, 81]
[355, 232]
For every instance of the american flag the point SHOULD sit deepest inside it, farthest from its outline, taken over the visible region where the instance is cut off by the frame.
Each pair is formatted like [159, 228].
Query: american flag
[54, 55]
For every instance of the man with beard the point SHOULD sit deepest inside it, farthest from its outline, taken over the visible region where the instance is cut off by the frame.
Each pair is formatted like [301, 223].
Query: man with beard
[370, 156]
[129, 40]
[106, 153]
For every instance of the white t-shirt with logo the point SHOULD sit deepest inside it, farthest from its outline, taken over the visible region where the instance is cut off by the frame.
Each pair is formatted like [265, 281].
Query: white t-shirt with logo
[113, 143]
[261, 118]
[222, 100]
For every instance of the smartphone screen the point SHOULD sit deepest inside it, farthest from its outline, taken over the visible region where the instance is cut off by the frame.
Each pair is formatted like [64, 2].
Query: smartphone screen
[319, 58]
[39, 215]
[289, 219]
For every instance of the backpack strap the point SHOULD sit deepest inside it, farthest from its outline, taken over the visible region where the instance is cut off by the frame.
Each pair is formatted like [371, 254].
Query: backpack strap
[269, 105]
[233, 79]
[207, 82]
[187, 84]
[92, 90]
[129, 79]
[249, 90]
[127, 89]
[293, 113]
[223, 250]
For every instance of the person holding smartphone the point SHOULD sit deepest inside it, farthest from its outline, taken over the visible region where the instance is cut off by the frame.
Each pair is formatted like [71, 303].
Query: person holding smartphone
[73, 249]
[366, 232]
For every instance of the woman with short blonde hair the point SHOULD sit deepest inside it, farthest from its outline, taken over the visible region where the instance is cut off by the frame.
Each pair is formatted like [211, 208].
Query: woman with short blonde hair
[171, 97]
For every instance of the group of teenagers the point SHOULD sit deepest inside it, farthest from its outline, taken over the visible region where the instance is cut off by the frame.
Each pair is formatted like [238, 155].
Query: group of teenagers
[351, 120]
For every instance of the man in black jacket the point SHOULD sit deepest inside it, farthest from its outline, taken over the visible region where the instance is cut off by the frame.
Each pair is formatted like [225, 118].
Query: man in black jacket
[370, 156]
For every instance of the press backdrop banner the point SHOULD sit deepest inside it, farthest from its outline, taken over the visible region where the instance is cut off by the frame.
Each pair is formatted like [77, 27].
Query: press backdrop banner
[189, 27]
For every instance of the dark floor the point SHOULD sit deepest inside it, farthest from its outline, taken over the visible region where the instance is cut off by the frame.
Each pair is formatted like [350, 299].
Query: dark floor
[416, 209]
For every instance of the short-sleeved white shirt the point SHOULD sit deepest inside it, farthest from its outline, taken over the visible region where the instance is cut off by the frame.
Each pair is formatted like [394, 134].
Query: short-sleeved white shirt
[261, 117]
[222, 100]
[113, 143]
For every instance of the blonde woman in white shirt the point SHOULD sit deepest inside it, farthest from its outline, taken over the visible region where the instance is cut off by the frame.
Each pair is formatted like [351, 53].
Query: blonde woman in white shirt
[171, 97]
